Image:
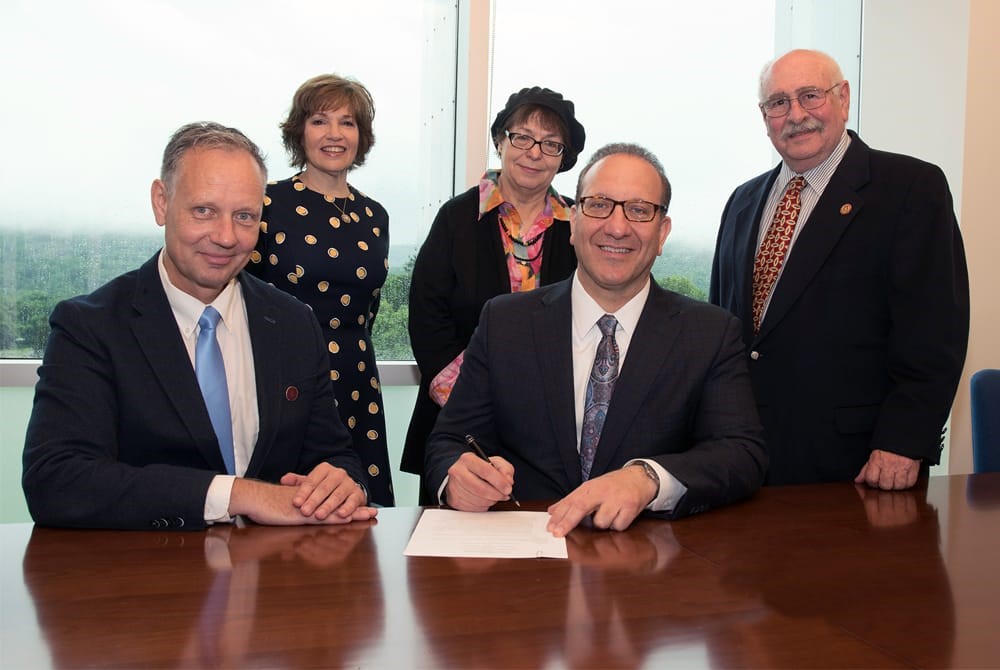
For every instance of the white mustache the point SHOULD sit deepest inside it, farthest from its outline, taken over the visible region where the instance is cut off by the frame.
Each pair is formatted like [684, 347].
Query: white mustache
[806, 126]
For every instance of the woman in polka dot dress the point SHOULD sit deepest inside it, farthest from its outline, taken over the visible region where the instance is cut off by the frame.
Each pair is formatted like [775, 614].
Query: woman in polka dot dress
[327, 244]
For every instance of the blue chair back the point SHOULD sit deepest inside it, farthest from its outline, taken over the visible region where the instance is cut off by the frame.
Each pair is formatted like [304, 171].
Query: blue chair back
[985, 391]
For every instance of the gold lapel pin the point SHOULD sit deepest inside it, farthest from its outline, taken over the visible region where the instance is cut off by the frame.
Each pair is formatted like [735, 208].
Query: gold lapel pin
[846, 208]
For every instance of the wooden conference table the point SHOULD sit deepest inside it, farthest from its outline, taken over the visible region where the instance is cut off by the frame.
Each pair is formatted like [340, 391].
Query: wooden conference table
[808, 576]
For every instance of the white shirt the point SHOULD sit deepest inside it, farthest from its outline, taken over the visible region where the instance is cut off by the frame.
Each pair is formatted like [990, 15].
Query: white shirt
[586, 337]
[233, 335]
[816, 182]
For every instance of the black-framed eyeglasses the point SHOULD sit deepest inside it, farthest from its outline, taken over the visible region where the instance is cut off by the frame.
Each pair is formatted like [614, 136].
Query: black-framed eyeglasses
[525, 142]
[812, 98]
[599, 207]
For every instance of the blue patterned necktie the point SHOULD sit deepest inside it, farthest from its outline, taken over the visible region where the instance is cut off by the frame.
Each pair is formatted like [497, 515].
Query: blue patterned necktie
[211, 373]
[599, 389]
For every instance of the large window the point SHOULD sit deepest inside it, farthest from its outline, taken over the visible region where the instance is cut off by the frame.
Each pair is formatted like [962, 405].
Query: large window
[93, 90]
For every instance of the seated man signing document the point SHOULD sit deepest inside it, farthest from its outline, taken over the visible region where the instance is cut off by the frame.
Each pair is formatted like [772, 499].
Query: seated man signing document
[188, 392]
[603, 391]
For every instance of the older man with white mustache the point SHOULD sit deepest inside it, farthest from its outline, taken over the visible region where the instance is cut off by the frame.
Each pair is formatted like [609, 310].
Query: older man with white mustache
[847, 268]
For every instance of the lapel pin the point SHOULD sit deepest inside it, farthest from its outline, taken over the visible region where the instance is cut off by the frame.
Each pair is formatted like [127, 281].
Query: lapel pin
[846, 208]
[291, 394]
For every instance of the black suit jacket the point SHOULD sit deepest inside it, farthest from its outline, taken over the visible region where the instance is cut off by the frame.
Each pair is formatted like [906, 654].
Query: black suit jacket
[119, 436]
[682, 398]
[460, 266]
[864, 340]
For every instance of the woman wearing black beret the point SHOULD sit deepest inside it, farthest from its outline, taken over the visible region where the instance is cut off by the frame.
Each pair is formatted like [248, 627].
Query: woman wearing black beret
[508, 233]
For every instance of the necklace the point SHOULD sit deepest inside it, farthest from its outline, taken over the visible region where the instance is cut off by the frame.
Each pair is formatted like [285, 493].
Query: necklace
[523, 244]
[518, 240]
[344, 216]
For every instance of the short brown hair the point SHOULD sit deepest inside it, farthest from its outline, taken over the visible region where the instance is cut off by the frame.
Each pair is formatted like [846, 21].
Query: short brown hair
[328, 92]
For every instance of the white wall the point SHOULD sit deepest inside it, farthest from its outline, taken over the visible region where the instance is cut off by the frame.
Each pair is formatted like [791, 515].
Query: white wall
[911, 97]
[929, 89]
[979, 218]
[913, 80]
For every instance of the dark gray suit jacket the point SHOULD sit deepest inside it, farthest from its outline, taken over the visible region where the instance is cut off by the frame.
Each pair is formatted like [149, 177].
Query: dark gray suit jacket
[863, 343]
[682, 398]
[119, 436]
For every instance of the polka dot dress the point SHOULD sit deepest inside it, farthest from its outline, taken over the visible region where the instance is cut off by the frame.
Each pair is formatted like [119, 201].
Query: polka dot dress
[333, 254]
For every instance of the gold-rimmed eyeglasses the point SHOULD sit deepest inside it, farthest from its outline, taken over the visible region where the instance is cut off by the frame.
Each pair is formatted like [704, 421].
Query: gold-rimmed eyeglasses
[811, 98]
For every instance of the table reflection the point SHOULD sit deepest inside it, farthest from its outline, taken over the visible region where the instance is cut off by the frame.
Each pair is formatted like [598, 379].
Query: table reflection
[597, 613]
[982, 491]
[622, 600]
[815, 578]
[194, 599]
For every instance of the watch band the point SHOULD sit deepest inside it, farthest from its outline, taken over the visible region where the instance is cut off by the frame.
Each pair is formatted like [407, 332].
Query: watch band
[651, 473]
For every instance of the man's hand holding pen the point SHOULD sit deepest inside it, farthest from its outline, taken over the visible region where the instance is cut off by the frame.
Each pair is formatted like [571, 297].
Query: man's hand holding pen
[475, 485]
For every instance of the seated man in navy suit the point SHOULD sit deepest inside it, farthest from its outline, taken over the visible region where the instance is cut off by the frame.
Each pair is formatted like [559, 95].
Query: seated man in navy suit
[603, 391]
[121, 435]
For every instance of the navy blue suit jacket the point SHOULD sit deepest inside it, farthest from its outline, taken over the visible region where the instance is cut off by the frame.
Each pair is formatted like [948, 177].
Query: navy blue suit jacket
[864, 340]
[682, 398]
[119, 436]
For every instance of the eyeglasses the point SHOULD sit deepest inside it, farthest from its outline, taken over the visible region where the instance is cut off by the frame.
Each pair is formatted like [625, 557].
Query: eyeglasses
[526, 142]
[599, 207]
[813, 98]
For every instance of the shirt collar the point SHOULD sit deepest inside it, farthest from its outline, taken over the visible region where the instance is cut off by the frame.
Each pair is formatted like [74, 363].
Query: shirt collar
[818, 177]
[490, 198]
[187, 309]
[586, 311]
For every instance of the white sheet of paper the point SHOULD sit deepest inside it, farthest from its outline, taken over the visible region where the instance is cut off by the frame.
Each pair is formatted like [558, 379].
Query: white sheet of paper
[445, 532]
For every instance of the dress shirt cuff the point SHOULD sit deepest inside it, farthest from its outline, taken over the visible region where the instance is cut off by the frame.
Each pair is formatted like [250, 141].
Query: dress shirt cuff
[441, 489]
[217, 500]
[671, 490]
[364, 490]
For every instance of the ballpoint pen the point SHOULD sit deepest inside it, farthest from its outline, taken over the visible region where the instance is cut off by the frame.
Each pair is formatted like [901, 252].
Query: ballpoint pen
[478, 451]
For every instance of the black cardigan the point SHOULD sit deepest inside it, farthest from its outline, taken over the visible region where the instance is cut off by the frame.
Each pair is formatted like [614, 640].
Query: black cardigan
[460, 266]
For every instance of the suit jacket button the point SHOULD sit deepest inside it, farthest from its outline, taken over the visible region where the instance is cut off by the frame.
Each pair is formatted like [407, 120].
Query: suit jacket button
[159, 523]
[179, 522]
[754, 355]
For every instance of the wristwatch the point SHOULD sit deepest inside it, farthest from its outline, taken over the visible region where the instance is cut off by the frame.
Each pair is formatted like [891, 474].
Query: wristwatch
[651, 473]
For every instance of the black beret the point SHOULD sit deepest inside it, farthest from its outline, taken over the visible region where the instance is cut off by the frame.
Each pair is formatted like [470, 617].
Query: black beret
[554, 101]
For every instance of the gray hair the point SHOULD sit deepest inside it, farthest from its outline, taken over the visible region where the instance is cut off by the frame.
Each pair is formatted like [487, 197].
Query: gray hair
[628, 149]
[206, 135]
[765, 72]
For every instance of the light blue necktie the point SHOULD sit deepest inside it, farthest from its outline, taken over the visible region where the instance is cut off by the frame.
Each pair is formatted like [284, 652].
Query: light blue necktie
[599, 388]
[211, 372]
